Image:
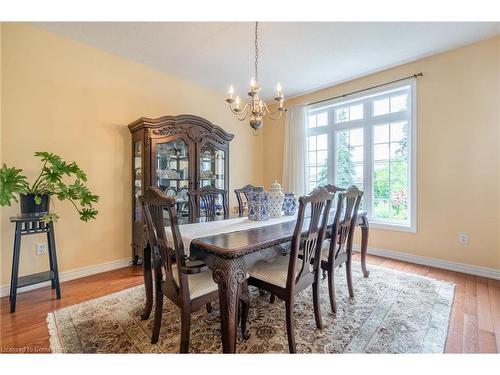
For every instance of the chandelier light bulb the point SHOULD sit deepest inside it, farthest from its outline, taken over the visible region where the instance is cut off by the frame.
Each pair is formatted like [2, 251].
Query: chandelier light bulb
[231, 91]
[252, 83]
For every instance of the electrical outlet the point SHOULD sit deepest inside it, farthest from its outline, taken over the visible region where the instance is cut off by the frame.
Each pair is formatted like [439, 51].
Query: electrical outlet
[463, 239]
[41, 249]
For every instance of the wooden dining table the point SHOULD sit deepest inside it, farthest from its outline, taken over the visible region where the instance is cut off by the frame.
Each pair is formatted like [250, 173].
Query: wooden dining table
[230, 255]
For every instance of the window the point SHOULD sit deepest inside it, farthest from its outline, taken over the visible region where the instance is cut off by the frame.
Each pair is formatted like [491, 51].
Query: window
[369, 141]
[317, 160]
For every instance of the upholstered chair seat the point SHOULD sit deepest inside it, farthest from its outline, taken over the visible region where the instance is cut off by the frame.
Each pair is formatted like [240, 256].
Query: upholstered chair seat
[275, 271]
[199, 283]
[325, 249]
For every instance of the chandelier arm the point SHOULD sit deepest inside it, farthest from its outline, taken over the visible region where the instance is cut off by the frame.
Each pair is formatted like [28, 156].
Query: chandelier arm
[274, 118]
[241, 116]
[272, 112]
[237, 113]
[245, 115]
[233, 111]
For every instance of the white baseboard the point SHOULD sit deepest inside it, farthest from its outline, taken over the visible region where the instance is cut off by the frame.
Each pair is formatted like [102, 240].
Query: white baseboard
[72, 275]
[490, 273]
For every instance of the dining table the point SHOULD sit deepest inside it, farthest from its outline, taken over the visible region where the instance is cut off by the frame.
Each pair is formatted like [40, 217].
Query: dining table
[229, 255]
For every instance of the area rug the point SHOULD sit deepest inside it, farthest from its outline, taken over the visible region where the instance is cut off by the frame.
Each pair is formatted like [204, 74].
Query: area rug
[392, 312]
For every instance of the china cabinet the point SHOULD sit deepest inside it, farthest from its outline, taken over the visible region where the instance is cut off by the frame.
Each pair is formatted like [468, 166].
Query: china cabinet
[178, 154]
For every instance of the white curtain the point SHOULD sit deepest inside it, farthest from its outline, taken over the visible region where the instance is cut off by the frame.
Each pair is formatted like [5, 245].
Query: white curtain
[294, 157]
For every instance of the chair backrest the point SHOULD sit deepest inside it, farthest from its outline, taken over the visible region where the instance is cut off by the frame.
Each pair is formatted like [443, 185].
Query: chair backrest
[208, 196]
[333, 189]
[154, 202]
[320, 201]
[344, 223]
[244, 191]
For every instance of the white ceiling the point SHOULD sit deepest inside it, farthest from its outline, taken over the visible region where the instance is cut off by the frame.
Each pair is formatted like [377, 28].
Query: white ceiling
[302, 56]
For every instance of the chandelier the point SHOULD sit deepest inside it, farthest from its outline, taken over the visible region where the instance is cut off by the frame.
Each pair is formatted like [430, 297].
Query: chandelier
[255, 109]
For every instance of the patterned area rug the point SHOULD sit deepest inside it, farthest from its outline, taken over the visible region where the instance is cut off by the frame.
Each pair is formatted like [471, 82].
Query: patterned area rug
[392, 312]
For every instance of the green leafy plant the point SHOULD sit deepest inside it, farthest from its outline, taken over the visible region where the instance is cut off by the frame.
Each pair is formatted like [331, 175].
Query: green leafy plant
[12, 182]
[51, 181]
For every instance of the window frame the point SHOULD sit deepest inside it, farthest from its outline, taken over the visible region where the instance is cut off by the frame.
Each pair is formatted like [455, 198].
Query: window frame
[367, 123]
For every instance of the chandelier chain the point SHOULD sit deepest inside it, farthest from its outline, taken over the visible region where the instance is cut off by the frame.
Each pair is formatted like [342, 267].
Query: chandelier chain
[256, 51]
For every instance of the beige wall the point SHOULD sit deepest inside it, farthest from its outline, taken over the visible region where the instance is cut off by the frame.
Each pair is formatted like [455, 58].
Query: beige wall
[1, 160]
[458, 155]
[62, 96]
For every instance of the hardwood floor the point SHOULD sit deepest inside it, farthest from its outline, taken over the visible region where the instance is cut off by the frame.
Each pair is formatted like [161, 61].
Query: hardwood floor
[474, 324]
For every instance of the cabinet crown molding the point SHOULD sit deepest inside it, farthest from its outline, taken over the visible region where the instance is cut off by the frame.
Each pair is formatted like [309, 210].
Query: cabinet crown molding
[194, 127]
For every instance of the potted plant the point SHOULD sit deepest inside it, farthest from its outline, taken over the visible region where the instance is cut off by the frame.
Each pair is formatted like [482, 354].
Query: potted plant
[57, 178]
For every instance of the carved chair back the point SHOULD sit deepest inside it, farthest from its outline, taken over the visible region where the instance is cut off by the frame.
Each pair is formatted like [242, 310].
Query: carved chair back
[154, 202]
[320, 201]
[333, 189]
[344, 223]
[244, 191]
[208, 195]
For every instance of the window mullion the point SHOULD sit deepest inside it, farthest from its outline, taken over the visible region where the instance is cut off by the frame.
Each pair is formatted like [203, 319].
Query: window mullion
[331, 147]
[368, 158]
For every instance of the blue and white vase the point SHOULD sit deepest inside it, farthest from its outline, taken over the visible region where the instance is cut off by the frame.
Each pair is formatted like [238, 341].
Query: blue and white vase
[275, 200]
[289, 204]
[258, 205]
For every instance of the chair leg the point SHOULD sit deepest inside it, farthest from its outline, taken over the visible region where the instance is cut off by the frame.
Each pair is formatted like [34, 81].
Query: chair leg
[331, 289]
[185, 330]
[272, 298]
[317, 305]
[290, 331]
[157, 316]
[349, 276]
[209, 307]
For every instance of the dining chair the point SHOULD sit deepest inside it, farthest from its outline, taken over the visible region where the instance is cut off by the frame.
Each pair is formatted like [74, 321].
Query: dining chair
[285, 276]
[244, 192]
[337, 250]
[188, 284]
[334, 190]
[207, 197]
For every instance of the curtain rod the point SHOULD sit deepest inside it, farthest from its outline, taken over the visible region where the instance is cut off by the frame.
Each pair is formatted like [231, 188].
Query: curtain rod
[368, 88]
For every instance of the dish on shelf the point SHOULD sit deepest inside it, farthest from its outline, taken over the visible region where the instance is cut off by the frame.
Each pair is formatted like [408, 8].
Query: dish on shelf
[168, 173]
[171, 191]
[208, 174]
[138, 173]
[183, 193]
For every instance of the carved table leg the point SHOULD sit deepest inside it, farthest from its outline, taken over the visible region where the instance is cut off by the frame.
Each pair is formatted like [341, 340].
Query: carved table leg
[229, 274]
[365, 229]
[245, 308]
[148, 283]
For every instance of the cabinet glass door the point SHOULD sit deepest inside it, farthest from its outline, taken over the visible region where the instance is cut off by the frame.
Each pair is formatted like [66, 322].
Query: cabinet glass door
[172, 172]
[137, 179]
[212, 168]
